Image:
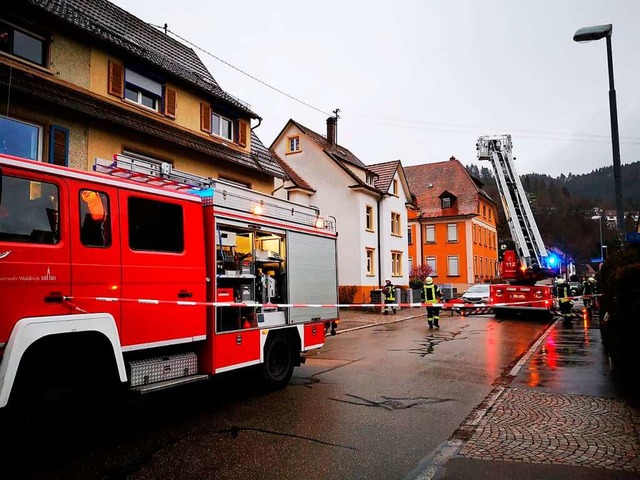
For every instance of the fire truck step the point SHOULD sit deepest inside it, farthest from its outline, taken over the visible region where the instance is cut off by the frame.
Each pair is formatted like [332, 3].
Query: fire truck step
[154, 387]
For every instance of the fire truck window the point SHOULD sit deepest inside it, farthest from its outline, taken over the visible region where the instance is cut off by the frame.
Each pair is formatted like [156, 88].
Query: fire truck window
[29, 211]
[95, 221]
[155, 226]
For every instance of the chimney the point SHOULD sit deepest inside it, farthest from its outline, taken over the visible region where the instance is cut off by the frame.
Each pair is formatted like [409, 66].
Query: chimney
[332, 130]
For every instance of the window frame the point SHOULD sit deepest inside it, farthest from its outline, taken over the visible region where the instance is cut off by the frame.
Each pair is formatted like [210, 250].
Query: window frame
[12, 29]
[40, 138]
[370, 261]
[457, 265]
[292, 139]
[409, 235]
[178, 230]
[428, 228]
[369, 221]
[455, 227]
[131, 86]
[106, 205]
[396, 263]
[396, 224]
[221, 117]
[433, 261]
[395, 187]
[446, 202]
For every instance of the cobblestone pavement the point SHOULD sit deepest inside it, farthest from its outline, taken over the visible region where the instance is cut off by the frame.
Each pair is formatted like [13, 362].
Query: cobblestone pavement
[537, 427]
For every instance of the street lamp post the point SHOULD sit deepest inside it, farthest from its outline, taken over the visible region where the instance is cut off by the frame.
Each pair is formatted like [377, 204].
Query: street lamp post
[587, 34]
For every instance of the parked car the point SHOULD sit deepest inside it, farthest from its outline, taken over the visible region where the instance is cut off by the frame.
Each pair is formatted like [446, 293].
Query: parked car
[478, 293]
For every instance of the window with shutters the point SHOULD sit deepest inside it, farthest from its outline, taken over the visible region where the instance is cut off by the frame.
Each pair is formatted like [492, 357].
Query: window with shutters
[23, 44]
[21, 139]
[142, 90]
[221, 126]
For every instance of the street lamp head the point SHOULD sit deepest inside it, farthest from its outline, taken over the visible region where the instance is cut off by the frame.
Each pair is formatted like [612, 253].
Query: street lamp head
[588, 34]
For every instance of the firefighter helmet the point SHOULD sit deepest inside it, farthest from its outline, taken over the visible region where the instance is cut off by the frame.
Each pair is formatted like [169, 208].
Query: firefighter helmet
[591, 280]
[428, 280]
[560, 281]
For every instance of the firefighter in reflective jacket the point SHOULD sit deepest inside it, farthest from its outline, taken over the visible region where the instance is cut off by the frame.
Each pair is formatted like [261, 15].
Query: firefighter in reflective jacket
[389, 291]
[563, 292]
[431, 295]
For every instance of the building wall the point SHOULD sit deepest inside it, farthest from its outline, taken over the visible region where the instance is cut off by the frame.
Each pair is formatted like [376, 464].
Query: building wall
[334, 197]
[391, 243]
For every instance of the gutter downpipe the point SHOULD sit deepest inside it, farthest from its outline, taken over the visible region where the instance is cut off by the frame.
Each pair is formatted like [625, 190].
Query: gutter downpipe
[379, 241]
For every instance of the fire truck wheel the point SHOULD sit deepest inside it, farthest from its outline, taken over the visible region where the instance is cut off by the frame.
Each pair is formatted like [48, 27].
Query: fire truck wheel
[278, 365]
[55, 405]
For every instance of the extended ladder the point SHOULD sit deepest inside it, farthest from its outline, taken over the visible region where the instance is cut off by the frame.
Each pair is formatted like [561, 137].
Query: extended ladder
[522, 224]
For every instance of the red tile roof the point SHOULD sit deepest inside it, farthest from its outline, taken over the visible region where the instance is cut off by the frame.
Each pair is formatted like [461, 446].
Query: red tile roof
[385, 171]
[430, 180]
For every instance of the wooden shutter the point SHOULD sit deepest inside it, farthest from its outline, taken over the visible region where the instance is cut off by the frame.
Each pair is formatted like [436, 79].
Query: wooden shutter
[116, 79]
[170, 100]
[59, 145]
[242, 133]
[205, 117]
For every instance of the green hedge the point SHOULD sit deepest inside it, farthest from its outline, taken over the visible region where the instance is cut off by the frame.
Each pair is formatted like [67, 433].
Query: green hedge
[620, 285]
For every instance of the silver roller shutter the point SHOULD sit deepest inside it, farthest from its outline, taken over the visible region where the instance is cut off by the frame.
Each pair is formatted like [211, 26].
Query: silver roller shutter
[312, 276]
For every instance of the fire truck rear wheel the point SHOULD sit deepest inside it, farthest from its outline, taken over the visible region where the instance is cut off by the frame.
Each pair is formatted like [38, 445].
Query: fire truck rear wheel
[278, 365]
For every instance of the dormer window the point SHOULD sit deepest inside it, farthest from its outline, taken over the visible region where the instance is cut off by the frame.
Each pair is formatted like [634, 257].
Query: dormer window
[221, 126]
[369, 178]
[142, 90]
[22, 44]
[446, 202]
[293, 144]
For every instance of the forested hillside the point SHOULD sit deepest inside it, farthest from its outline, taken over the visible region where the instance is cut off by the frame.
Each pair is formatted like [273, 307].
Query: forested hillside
[563, 206]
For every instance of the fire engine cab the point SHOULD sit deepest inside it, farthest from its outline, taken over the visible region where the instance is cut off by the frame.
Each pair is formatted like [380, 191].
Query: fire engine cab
[524, 261]
[143, 276]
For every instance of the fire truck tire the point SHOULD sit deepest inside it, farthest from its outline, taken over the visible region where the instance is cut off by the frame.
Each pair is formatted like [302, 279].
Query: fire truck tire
[278, 365]
[499, 312]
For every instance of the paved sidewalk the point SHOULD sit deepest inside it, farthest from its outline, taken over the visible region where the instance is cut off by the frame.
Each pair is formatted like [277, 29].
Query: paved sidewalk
[559, 413]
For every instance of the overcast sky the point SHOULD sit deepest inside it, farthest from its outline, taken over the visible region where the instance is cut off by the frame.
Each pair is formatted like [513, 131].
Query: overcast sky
[420, 80]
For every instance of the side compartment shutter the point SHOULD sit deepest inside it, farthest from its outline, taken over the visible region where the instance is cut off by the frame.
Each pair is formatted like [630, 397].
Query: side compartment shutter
[116, 79]
[205, 117]
[59, 145]
[312, 276]
[242, 133]
[170, 102]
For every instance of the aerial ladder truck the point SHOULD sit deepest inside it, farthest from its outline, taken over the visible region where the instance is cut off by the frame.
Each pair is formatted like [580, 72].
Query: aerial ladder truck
[525, 260]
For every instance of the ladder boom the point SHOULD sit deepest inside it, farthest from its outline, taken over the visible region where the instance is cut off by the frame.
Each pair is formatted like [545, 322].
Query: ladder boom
[522, 225]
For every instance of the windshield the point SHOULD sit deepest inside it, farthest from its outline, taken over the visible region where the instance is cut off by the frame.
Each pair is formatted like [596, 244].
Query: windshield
[478, 289]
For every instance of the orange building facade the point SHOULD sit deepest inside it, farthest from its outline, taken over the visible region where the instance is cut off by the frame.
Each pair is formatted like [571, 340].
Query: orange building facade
[454, 229]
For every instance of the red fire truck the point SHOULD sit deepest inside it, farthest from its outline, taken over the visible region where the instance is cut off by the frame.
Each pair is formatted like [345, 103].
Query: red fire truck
[145, 277]
[524, 261]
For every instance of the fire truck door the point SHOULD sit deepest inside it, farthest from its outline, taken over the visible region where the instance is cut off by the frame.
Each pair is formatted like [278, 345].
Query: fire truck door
[163, 267]
[34, 247]
[95, 247]
[312, 271]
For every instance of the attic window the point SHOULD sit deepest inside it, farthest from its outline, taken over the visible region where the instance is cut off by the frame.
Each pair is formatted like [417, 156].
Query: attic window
[446, 202]
[293, 144]
[395, 187]
[142, 90]
[22, 44]
[221, 126]
[369, 178]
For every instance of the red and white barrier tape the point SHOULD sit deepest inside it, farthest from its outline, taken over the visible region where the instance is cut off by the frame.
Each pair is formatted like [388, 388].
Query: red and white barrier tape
[183, 303]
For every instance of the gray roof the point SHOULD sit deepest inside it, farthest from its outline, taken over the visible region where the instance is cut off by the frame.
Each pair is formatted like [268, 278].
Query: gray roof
[123, 30]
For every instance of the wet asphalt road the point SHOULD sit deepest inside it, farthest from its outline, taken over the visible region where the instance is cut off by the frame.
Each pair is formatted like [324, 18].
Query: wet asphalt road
[371, 404]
